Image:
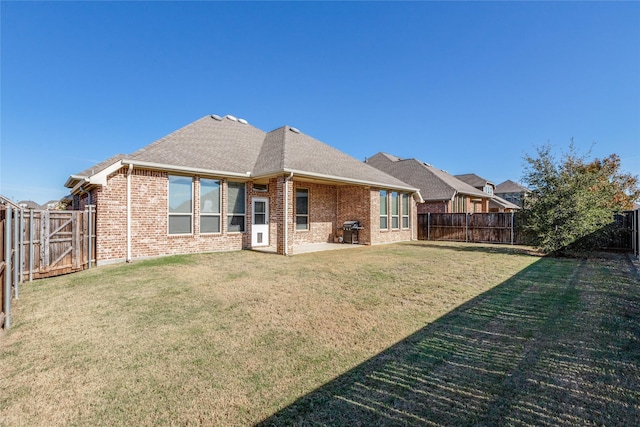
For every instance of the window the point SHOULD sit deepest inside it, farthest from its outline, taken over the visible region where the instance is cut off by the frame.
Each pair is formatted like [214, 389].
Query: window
[384, 210]
[405, 210]
[460, 204]
[395, 210]
[302, 209]
[180, 204]
[209, 206]
[488, 189]
[235, 207]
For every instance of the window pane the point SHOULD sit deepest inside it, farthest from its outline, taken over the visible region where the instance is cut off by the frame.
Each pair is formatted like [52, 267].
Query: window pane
[179, 224]
[405, 222]
[209, 224]
[236, 198]
[384, 224]
[394, 203]
[259, 219]
[383, 203]
[180, 194]
[405, 204]
[209, 196]
[236, 223]
[394, 222]
[302, 222]
[302, 201]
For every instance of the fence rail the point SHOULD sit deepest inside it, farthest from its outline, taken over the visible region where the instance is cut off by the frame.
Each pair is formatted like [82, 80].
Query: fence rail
[38, 244]
[493, 227]
[506, 227]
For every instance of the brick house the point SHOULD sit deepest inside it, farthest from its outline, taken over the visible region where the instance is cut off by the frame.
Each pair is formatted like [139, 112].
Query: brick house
[496, 202]
[220, 184]
[442, 192]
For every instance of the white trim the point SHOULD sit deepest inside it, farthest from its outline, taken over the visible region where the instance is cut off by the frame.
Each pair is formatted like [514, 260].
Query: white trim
[187, 170]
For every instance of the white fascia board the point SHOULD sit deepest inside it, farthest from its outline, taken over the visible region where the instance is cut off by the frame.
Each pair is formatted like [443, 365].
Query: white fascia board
[185, 169]
[350, 180]
[100, 178]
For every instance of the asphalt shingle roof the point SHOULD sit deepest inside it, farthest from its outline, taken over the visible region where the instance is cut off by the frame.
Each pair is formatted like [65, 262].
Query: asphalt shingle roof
[473, 180]
[225, 144]
[434, 183]
[510, 187]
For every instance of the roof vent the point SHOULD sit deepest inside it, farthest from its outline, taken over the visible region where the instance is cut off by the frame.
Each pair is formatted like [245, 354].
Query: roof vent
[243, 121]
[216, 117]
[294, 130]
[427, 164]
[230, 117]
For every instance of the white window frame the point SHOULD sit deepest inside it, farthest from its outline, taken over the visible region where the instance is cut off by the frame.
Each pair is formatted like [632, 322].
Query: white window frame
[171, 215]
[395, 204]
[406, 224]
[384, 215]
[204, 213]
[307, 226]
[232, 214]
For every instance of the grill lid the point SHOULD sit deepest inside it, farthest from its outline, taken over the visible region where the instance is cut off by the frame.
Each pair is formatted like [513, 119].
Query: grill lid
[351, 225]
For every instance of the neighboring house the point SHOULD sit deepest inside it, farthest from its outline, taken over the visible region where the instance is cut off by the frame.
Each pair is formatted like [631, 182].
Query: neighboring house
[496, 203]
[512, 192]
[220, 184]
[441, 191]
[29, 204]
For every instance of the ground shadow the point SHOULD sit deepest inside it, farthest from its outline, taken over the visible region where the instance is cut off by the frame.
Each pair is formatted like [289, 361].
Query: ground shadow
[552, 346]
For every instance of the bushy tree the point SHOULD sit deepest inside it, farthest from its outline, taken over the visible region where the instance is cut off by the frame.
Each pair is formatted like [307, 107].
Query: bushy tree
[573, 200]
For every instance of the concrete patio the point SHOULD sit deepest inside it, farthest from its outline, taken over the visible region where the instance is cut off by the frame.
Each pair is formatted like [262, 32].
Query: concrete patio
[312, 247]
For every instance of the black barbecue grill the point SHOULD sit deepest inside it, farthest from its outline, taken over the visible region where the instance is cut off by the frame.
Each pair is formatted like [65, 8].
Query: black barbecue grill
[350, 230]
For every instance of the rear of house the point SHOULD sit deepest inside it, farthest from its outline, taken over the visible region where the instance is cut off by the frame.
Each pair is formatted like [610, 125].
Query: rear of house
[220, 184]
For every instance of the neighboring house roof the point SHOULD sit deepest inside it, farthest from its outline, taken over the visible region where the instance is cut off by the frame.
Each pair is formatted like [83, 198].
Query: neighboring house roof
[29, 204]
[434, 183]
[230, 147]
[474, 180]
[510, 187]
[502, 203]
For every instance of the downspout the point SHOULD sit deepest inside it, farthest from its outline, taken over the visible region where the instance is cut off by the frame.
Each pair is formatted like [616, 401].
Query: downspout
[89, 230]
[129, 212]
[286, 213]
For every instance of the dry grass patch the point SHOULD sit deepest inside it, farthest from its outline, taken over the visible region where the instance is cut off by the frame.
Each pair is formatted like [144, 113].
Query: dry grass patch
[227, 338]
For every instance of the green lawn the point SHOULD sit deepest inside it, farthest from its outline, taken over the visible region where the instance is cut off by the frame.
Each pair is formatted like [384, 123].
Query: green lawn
[406, 334]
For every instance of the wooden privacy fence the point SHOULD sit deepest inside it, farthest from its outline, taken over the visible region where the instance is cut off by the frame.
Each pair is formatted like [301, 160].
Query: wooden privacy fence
[38, 244]
[505, 227]
[493, 227]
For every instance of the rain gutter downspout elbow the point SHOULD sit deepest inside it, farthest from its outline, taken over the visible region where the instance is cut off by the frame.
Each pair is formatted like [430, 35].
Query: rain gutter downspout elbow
[129, 212]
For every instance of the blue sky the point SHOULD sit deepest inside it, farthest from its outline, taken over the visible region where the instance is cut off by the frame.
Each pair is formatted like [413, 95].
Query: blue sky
[470, 87]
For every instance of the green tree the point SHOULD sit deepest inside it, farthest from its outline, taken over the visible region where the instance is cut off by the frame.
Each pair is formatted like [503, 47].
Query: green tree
[573, 200]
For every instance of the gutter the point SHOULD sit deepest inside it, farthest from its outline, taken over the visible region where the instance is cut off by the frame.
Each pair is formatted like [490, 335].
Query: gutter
[174, 168]
[339, 179]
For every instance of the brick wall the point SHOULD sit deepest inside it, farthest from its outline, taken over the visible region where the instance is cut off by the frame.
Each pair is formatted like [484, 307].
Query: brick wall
[322, 214]
[390, 235]
[149, 220]
[329, 207]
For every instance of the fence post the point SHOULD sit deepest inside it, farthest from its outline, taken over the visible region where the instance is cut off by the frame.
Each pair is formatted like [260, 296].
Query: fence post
[21, 246]
[89, 231]
[466, 227]
[31, 245]
[16, 253]
[428, 225]
[513, 226]
[7, 269]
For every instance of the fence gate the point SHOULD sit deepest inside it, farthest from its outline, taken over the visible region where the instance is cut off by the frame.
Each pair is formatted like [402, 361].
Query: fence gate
[56, 242]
